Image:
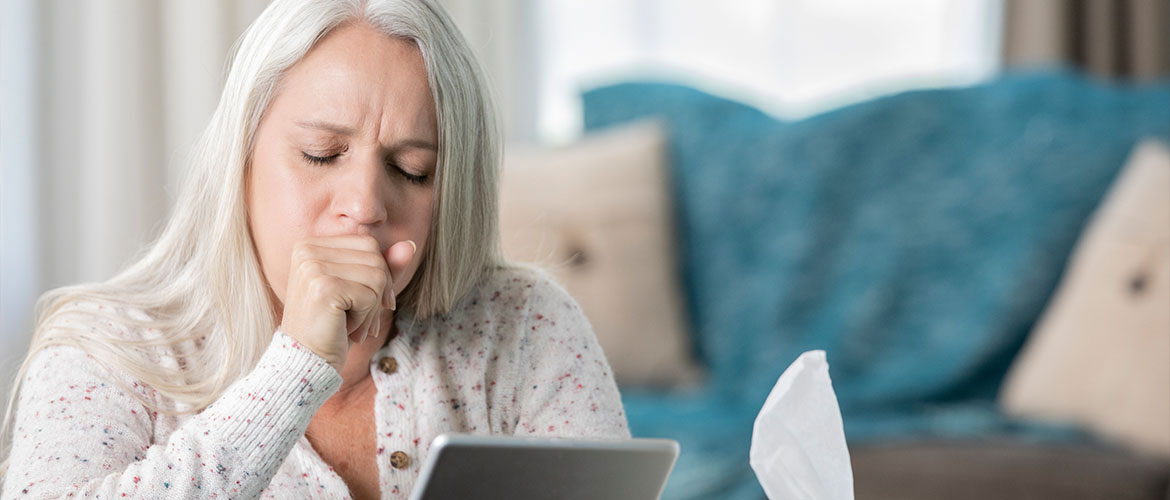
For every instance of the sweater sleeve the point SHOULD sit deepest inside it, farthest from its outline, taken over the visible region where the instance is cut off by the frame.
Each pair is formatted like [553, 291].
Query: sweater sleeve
[78, 434]
[565, 387]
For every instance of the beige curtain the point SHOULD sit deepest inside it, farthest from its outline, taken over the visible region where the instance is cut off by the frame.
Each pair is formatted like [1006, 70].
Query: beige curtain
[504, 35]
[126, 87]
[1109, 38]
[101, 100]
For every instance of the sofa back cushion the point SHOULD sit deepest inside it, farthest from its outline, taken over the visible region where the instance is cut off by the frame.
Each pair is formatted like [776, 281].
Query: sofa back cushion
[597, 215]
[1100, 356]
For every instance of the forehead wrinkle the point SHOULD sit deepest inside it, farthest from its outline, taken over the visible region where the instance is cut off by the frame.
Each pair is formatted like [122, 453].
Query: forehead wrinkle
[408, 124]
[374, 102]
[328, 126]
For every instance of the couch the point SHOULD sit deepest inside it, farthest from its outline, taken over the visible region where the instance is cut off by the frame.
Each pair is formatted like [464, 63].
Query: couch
[916, 238]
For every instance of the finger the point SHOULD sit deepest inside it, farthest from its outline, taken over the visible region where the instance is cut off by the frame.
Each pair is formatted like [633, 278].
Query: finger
[355, 301]
[308, 250]
[398, 258]
[375, 279]
[372, 323]
[362, 330]
[355, 320]
[343, 255]
[373, 331]
[363, 242]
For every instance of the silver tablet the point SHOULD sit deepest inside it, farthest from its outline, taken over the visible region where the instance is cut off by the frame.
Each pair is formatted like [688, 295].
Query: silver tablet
[498, 467]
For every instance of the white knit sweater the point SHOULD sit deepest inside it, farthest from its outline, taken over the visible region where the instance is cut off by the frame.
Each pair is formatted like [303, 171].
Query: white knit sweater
[515, 356]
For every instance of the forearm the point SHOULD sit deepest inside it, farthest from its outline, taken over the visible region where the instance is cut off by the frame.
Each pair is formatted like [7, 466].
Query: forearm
[230, 450]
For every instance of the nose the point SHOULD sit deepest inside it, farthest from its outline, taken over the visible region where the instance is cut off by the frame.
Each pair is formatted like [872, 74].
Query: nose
[360, 197]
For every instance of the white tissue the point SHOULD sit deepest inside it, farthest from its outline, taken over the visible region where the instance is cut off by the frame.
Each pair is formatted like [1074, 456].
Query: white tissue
[798, 442]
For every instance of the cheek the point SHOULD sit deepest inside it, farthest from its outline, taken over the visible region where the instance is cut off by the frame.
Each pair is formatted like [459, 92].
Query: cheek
[420, 217]
[417, 224]
[280, 214]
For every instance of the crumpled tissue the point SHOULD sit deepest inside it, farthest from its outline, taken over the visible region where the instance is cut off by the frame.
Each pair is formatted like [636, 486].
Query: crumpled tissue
[798, 442]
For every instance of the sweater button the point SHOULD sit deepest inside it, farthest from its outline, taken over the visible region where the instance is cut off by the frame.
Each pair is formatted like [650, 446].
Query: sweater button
[388, 365]
[399, 460]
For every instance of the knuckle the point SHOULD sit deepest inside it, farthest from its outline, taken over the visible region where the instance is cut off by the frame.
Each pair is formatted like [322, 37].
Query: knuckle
[381, 280]
[369, 300]
[324, 286]
[302, 251]
[313, 266]
[369, 243]
[374, 260]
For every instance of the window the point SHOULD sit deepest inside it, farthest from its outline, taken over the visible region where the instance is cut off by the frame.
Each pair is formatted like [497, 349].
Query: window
[793, 58]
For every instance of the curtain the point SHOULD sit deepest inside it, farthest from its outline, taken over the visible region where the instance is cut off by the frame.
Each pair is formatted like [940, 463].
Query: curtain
[504, 35]
[127, 86]
[1108, 38]
[101, 102]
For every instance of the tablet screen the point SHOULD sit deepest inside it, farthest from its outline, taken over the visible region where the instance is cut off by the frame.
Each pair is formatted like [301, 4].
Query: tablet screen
[498, 467]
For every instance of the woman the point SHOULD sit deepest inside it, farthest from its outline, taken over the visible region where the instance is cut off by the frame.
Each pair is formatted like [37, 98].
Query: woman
[327, 298]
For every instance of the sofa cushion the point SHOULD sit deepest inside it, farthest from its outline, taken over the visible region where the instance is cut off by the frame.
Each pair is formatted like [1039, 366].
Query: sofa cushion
[1100, 356]
[597, 215]
[1004, 470]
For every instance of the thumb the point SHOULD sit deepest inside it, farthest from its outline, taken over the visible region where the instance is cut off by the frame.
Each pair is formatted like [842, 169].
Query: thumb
[398, 257]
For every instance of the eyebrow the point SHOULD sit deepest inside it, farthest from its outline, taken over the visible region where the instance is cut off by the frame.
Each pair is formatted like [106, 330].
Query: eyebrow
[347, 131]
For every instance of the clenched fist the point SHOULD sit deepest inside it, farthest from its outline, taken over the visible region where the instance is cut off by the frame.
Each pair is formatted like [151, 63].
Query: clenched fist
[337, 289]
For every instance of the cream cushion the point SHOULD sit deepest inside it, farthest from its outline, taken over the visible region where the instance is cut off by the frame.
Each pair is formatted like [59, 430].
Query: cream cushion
[598, 216]
[1100, 355]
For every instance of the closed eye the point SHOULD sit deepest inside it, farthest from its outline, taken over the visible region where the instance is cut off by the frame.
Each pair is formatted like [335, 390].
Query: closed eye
[413, 179]
[319, 160]
[325, 160]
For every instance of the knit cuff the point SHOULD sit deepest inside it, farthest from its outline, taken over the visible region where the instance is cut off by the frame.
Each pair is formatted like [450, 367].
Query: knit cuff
[267, 411]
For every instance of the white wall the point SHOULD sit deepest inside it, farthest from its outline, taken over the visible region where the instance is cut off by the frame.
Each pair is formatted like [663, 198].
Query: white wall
[19, 259]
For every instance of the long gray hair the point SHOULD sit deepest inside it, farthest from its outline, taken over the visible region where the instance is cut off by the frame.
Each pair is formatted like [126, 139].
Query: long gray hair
[200, 282]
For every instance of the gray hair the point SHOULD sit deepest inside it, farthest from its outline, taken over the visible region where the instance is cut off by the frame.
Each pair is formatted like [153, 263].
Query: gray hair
[199, 283]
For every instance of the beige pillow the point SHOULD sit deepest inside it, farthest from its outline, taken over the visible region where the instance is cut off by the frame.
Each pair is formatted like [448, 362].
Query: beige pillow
[1100, 355]
[597, 215]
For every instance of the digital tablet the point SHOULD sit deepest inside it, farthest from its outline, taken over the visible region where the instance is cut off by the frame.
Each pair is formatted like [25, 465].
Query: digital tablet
[499, 467]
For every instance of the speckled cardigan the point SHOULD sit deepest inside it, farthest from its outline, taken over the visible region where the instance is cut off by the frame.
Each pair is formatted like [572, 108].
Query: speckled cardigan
[515, 356]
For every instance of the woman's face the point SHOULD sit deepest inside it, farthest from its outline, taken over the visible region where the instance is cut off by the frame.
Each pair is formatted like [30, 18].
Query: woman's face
[347, 146]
